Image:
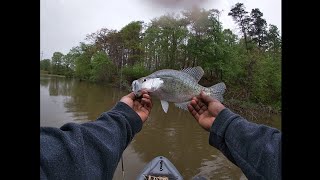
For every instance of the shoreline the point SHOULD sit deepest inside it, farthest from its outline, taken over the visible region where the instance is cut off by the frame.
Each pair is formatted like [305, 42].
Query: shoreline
[238, 105]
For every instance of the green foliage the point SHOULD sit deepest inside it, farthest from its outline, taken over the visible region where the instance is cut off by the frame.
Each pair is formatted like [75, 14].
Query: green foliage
[56, 64]
[164, 41]
[135, 72]
[239, 15]
[267, 81]
[45, 64]
[83, 61]
[234, 73]
[131, 36]
[258, 28]
[273, 40]
[102, 67]
[249, 64]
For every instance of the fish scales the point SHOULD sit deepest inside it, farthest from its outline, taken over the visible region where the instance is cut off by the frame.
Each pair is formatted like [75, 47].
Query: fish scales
[176, 86]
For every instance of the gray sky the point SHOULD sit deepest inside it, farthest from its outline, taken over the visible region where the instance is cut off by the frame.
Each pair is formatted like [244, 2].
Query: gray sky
[65, 23]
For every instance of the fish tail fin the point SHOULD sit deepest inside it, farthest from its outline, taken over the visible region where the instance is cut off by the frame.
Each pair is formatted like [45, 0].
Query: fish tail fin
[216, 91]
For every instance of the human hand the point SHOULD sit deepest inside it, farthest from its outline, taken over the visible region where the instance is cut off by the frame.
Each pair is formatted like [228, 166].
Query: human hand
[142, 105]
[205, 109]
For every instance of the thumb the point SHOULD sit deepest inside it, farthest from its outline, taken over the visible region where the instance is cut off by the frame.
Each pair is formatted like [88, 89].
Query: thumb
[205, 97]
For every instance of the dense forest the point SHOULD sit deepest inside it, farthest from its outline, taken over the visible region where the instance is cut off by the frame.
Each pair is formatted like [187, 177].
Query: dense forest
[248, 63]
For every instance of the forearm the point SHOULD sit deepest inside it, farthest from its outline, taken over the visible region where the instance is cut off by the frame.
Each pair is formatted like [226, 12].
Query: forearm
[256, 149]
[89, 150]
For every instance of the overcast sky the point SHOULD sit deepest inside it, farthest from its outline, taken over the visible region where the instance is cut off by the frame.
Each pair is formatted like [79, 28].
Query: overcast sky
[65, 23]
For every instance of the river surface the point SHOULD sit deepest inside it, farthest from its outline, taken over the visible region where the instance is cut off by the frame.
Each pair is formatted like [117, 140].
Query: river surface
[175, 135]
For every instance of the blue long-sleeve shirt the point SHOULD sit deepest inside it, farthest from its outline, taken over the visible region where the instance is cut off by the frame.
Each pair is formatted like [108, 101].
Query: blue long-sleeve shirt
[255, 148]
[92, 150]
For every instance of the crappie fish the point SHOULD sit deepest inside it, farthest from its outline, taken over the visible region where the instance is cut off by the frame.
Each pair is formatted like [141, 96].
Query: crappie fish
[176, 86]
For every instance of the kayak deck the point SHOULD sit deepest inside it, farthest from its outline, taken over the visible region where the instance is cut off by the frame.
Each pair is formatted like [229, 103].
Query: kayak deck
[160, 168]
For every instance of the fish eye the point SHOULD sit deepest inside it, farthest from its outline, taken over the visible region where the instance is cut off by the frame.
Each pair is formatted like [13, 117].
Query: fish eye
[144, 80]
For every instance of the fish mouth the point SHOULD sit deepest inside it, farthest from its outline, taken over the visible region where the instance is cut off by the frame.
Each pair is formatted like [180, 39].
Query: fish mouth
[136, 88]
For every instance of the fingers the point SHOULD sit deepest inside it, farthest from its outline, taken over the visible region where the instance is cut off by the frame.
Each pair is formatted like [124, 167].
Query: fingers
[147, 96]
[203, 109]
[146, 101]
[133, 96]
[195, 105]
[205, 97]
[144, 92]
[198, 105]
[193, 112]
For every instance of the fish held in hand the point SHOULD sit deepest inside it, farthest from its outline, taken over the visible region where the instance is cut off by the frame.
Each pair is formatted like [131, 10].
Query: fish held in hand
[177, 86]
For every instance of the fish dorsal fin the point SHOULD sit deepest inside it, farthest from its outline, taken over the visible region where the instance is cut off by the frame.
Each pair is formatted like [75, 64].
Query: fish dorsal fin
[165, 106]
[195, 72]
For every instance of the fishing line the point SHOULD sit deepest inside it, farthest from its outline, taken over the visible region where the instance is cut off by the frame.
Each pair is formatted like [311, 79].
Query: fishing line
[122, 167]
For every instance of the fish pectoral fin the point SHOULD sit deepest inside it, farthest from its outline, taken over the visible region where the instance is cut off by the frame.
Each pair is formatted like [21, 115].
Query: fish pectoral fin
[165, 106]
[183, 105]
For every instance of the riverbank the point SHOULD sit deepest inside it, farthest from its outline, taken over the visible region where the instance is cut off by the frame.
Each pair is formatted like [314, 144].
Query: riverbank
[46, 73]
[249, 109]
[236, 103]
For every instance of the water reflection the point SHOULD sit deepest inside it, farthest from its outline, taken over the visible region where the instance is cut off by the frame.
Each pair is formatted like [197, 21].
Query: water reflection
[44, 81]
[81, 101]
[175, 134]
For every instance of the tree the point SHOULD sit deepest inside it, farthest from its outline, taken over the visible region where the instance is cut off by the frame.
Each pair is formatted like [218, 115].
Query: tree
[45, 64]
[151, 46]
[83, 61]
[273, 39]
[131, 35]
[258, 28]
[164, 42]
[229, 38]
[100, 39]
[102, 67]
[57, 63]
[249, 63]
[198, 26]
[240, 16]
[68, 62]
